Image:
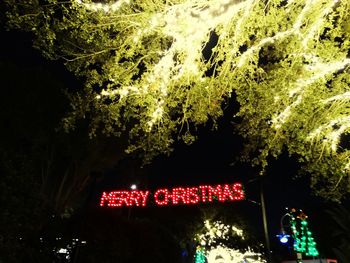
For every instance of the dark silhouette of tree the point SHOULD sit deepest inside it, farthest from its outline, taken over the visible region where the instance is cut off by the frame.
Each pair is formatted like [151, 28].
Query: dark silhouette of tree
[340, 232]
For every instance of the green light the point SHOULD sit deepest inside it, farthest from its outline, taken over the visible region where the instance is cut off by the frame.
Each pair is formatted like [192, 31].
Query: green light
[199, 257]
[303, 240]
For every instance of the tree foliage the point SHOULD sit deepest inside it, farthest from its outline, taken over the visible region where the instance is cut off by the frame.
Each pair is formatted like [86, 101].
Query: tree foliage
[160, 68]
[220, 242]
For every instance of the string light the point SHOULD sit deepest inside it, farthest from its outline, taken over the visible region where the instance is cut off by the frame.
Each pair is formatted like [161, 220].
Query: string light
[174, 196]
[107, 8]
[124, 198]
[212, 250]
[200, 256]
[161, 197]
[303, 240]
[186, 26]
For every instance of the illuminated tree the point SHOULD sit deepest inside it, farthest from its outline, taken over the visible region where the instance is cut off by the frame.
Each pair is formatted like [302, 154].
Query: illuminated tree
[160, 68]
[303, 238]
[219, 242]
[199, 256]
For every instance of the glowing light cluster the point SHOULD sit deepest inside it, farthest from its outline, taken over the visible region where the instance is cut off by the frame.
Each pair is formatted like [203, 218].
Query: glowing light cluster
[124, 198]
[189, 24]
[319, 71]
[295, 29]
[303, 239]
[107, 8]
[125, 91]
[217, 252]
[200, 256]
[175, 63]
[202, 193]
[174, 196]
[339, 97]
[330, 134]
[228, 255]
[318, 21]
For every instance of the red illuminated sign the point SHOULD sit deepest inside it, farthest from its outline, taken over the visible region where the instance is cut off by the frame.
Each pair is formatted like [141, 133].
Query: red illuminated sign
[174, 196]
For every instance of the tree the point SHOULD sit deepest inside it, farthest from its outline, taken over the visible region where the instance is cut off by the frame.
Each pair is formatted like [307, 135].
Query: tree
[303, 238]
[161, 68]
[45, 173]
[219, 242]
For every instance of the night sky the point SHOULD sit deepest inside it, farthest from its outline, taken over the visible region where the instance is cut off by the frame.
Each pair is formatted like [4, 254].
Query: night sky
[211, 159]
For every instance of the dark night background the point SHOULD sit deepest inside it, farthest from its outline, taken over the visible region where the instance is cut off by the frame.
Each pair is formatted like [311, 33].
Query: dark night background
[36, 155]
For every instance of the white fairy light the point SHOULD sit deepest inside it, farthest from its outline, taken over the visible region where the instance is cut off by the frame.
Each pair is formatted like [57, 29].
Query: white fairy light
[222, 254]
[319, 21]
[250, 51]
[330, 133]
[343, 96]
[320, 70]
[156, 115]
[219, 253]
[107, 8]
[189, 25]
